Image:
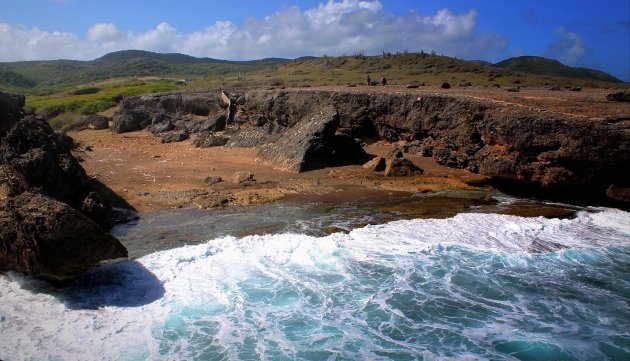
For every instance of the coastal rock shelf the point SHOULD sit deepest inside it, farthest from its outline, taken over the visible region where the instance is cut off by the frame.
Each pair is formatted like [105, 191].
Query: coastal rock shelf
[542, 153]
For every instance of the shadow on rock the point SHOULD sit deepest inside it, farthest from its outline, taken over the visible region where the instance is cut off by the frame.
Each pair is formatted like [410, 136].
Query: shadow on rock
[120, 284]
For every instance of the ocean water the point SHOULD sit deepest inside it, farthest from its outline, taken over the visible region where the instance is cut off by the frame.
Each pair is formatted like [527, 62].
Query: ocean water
[473, 286]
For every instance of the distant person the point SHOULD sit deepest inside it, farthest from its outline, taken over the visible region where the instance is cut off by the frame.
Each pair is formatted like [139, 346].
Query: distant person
[383, 81]
[369, 80]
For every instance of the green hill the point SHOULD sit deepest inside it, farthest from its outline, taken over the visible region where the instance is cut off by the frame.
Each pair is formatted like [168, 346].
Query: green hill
[61, 89]
[543, 66]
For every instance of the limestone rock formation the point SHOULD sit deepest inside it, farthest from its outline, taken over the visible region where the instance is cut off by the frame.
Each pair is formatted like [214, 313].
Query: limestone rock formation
[312, 144]
[551, 154]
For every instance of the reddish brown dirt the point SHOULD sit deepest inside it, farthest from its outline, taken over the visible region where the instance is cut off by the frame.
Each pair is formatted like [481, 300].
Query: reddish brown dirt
[151, 175]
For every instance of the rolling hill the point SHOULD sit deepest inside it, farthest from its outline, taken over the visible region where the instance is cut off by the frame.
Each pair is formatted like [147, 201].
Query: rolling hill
[543, 66]
[61, 89]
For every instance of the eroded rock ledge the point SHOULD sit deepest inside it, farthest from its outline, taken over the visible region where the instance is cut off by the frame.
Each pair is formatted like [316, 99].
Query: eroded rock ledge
[541, 152]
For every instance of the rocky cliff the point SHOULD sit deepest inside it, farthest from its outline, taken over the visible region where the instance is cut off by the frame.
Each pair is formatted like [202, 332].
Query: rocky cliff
[52, 215]
[540, 152]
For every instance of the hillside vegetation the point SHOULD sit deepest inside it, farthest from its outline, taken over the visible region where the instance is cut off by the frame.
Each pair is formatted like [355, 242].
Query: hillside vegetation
[63, 89]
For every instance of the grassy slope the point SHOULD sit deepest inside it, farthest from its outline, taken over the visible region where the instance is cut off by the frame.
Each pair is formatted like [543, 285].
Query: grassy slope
[63, 89]
[543, 66]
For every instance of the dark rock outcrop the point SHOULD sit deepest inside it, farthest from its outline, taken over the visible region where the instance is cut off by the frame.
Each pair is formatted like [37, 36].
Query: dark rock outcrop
[551, 154]
[312, 144]
[378, 164]
[174, 136]
[138, 112]
[11, 106]
[52, 215]
[46, 238]
[623, 96]
[401, 167]
[208, 139]
[92, 121]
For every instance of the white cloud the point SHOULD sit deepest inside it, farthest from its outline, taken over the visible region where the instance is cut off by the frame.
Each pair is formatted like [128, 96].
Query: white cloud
[333, 28]
[569, 47]
[104, 33]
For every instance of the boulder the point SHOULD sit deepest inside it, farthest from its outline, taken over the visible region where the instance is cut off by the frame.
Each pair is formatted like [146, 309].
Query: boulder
[445, 85]
[212, 180]
[623, 96]
[400, 166]
[618, 193]
[243, 177]
[92, 121]
[215, 124]
[174, 136]
[45, 238]
[207, 140]
[378, 164]
[160, 123]
[307, 146]
[256, 136]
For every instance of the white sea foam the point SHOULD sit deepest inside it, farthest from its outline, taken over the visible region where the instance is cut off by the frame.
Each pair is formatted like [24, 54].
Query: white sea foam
[344, 294]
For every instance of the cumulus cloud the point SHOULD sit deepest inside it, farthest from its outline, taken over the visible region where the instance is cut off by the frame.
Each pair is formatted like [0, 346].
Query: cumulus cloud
[568, 47]
[333, 28]
[104, 33]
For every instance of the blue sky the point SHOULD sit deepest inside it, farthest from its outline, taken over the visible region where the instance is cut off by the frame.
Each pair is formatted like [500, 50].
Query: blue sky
[579, 33]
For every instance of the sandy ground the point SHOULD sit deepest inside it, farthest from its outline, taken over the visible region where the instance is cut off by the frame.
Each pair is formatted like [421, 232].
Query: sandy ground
[151, 175]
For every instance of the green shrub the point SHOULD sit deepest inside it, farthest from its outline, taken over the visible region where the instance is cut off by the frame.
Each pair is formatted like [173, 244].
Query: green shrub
[85, 91]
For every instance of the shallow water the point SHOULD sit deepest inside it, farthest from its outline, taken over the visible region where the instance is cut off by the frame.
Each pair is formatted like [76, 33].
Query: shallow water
[473, 286]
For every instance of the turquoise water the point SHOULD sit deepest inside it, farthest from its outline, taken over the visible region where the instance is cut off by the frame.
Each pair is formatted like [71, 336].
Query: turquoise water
[475, 286]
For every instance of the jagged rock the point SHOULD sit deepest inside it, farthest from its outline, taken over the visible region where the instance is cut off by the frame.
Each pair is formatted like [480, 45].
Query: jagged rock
[10, 110]
[216, 124]
[623, 96]
[174, 136]
[207, 140]
[243, 177]
[212, 201]
[92, 121]
[45, 238]
[51, 212]
[378, 164]
[212, 180]
[346, 151]
[256, 136]
[136, 113]
[161, 123]
[400, 166]
[310, 144]
[500, 141]
[618, 193]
